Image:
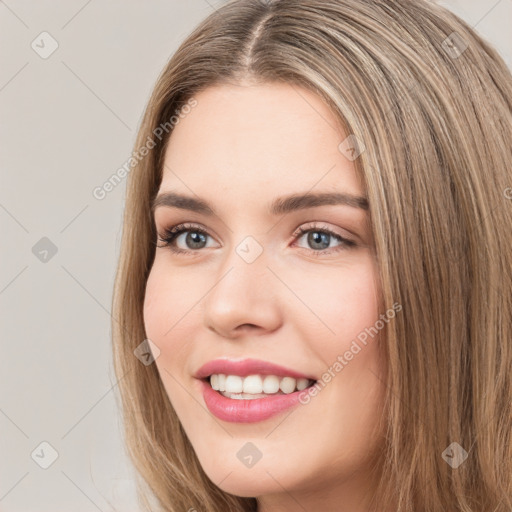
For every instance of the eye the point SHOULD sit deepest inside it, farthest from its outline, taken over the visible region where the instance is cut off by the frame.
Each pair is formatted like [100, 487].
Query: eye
[195, 236]
[319, 238]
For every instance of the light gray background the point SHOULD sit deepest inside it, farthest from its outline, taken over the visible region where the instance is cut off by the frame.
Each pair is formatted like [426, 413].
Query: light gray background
[68, 122]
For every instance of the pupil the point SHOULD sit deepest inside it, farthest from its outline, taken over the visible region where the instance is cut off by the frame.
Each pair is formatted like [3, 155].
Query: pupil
[195, 237]
[316, 237]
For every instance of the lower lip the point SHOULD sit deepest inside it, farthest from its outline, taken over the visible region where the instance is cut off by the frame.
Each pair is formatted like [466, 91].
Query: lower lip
[246, 411]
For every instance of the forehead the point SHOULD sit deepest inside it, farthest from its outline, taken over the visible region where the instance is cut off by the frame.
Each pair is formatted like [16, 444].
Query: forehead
[266, 139]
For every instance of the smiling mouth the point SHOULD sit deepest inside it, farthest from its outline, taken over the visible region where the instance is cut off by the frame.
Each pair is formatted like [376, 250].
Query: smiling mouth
[256, 386]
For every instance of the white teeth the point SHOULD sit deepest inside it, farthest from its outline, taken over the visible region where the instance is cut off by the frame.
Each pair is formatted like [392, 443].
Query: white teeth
[271, 384]
[252, 384]
[287, 385]
[256, 385]
[302, 384]
[234, 384]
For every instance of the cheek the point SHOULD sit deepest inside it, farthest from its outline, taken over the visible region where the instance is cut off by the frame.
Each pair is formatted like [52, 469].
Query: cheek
[164, 306]
[171, 316]
[161, 311]
[344, 302]
[153, 298]
[346, 336]
[167, 297]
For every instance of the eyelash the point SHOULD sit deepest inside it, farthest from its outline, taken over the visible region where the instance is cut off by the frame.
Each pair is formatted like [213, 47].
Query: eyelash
[170, 235]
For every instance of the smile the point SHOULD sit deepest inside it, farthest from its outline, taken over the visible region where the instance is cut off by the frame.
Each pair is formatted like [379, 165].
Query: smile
[256, 386]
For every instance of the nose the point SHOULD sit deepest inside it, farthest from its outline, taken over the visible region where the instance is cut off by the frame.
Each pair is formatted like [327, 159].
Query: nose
[244, 297]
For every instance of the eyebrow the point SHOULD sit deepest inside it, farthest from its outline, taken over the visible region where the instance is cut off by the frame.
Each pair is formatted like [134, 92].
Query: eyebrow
[279, 206]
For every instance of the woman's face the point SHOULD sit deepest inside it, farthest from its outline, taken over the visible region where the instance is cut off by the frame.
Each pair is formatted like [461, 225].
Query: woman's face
[252, 287]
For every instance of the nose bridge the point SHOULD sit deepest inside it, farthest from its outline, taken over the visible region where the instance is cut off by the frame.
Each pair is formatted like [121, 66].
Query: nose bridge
[244, 267]
[241, 293]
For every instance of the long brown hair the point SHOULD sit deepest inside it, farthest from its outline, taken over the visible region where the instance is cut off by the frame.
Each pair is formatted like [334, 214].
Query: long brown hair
[432, 103]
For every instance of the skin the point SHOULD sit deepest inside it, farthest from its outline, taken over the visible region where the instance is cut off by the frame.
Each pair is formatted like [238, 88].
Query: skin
[239, 148]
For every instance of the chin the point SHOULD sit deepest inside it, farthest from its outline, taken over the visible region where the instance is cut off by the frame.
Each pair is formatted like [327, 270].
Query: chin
[249, 485]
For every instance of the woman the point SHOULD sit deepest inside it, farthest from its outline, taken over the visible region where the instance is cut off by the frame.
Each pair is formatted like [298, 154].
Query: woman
[313, 305]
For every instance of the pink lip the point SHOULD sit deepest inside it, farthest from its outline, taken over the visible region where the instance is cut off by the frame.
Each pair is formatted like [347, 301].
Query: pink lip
[249, 410]
[246, 367]
[246, 411]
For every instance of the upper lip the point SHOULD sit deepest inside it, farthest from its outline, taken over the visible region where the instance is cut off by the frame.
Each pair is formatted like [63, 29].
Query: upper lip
[244, 367]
